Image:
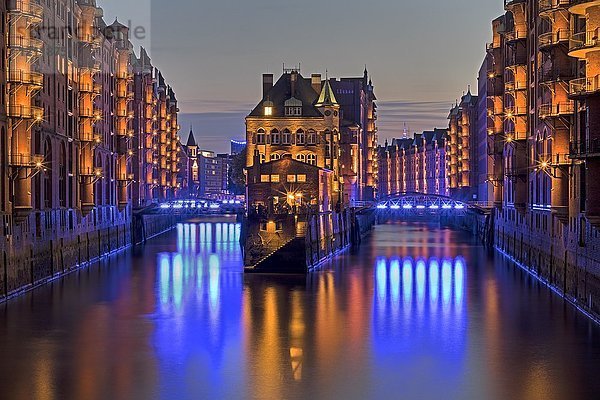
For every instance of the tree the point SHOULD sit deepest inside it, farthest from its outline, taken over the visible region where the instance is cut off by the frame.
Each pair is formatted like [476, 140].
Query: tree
[237, 177]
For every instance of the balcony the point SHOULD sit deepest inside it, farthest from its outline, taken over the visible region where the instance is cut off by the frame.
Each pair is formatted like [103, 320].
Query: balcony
[580, 7]
[88, 113]
[25, 112]
[33, 79]
[550, 39]
[91, 172]
[583, 87]
[95, 88]
[548, 6]
[90, 138]
[515, 35]
[556, 110]
[32, 46]
[585, 149]
[554, 75]
[91, 39]
[513, 86]
[28, 9]
[26, 160]
[580, 44]
[510, 112]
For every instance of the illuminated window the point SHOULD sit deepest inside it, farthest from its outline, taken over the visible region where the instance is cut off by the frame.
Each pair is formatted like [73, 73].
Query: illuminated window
[275, 178]
[268, 105]
[301, 178]
[264, 178]
[301, 157]
[275, 157]
[291, 178]
[311, 159]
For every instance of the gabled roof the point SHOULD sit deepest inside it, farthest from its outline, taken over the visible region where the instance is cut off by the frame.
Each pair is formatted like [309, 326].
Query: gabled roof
[282, 91]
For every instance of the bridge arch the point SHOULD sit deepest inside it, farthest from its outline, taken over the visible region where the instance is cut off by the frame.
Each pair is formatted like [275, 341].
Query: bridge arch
[419, 201]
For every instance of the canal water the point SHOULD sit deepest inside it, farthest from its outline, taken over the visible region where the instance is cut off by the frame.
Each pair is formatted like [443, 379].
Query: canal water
[420, 312]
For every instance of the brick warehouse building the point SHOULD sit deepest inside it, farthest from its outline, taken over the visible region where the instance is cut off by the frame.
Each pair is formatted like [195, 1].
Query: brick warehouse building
[416, 164]
[542, 93]
[303, 117]
[88, 131]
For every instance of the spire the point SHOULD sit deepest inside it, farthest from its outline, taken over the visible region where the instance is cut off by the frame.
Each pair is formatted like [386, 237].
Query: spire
[366, 74]
[405, 132]
[327, 98]
[191, 139]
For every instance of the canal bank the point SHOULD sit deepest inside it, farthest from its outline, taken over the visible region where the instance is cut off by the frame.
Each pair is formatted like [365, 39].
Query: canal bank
[32, 258]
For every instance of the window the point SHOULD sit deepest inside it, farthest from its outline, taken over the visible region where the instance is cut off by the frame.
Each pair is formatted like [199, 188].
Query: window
[260, 137]
[286, 137]
[311, 159]
[262, 158]
[312, 137]
[264, 178]
[301, 178]
[300, 137]
[275, 137]
[275, 157]
[291, 178]
[301, 157]
[268, 108]
[275, 178]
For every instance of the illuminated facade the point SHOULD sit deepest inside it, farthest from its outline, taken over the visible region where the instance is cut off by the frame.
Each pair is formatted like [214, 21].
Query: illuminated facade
[71, 136]
[542, 68]
[303, 118]
[416, 164]
[461, 152]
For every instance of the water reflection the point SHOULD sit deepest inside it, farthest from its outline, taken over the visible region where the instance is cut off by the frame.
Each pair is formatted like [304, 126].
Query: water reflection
[417, 313]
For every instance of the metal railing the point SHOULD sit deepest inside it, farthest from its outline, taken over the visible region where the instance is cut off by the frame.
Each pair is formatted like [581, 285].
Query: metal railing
[584, 86]
[27, 8]
[554, 38]
[26, 78]
[549, 5]
[26, 43]
[25, 112]
[584, 40]
[585, 148]
[556, 109]
[25, 160]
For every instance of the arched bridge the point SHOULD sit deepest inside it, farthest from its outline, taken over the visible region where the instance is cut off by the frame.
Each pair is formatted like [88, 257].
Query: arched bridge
[420, 203]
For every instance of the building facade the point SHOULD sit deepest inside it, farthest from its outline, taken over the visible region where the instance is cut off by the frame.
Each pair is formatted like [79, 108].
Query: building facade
[461, 152]
[414, 165]
[71, 135]
[302, 117]
[542, 94]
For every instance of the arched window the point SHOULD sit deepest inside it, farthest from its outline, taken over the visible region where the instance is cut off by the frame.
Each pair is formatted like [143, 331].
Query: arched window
[107, 181]
[62, 177]
[263, 158]
[312, 137]
[275, 137]
[275, 156]
[301, 157]
[260, 136]
[99, 187]
[311, 159]
[48, 192]
[300, 137]
[286, 138]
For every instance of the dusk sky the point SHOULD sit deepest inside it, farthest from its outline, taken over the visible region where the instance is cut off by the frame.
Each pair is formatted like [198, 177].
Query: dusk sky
[214, 53]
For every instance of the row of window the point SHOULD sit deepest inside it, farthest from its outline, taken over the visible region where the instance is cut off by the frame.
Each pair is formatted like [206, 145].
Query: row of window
[300, 178]
[305, 158]
[286, 137]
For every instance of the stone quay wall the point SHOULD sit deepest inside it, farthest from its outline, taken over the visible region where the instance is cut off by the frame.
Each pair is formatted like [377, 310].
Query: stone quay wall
[564, 255]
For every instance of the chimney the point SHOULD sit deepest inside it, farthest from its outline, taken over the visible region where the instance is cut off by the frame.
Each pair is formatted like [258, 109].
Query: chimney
[267, 84]
[316, 82]
[293, 80]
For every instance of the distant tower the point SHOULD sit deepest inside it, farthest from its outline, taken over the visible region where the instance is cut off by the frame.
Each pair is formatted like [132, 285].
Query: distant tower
[192, 150]
[405, 132]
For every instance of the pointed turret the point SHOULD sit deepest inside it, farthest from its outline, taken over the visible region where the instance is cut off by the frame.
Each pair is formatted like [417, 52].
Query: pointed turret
[191, 142]
[327, 98]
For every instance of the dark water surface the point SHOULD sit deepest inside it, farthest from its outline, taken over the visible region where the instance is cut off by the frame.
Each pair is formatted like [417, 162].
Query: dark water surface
[420, 312]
